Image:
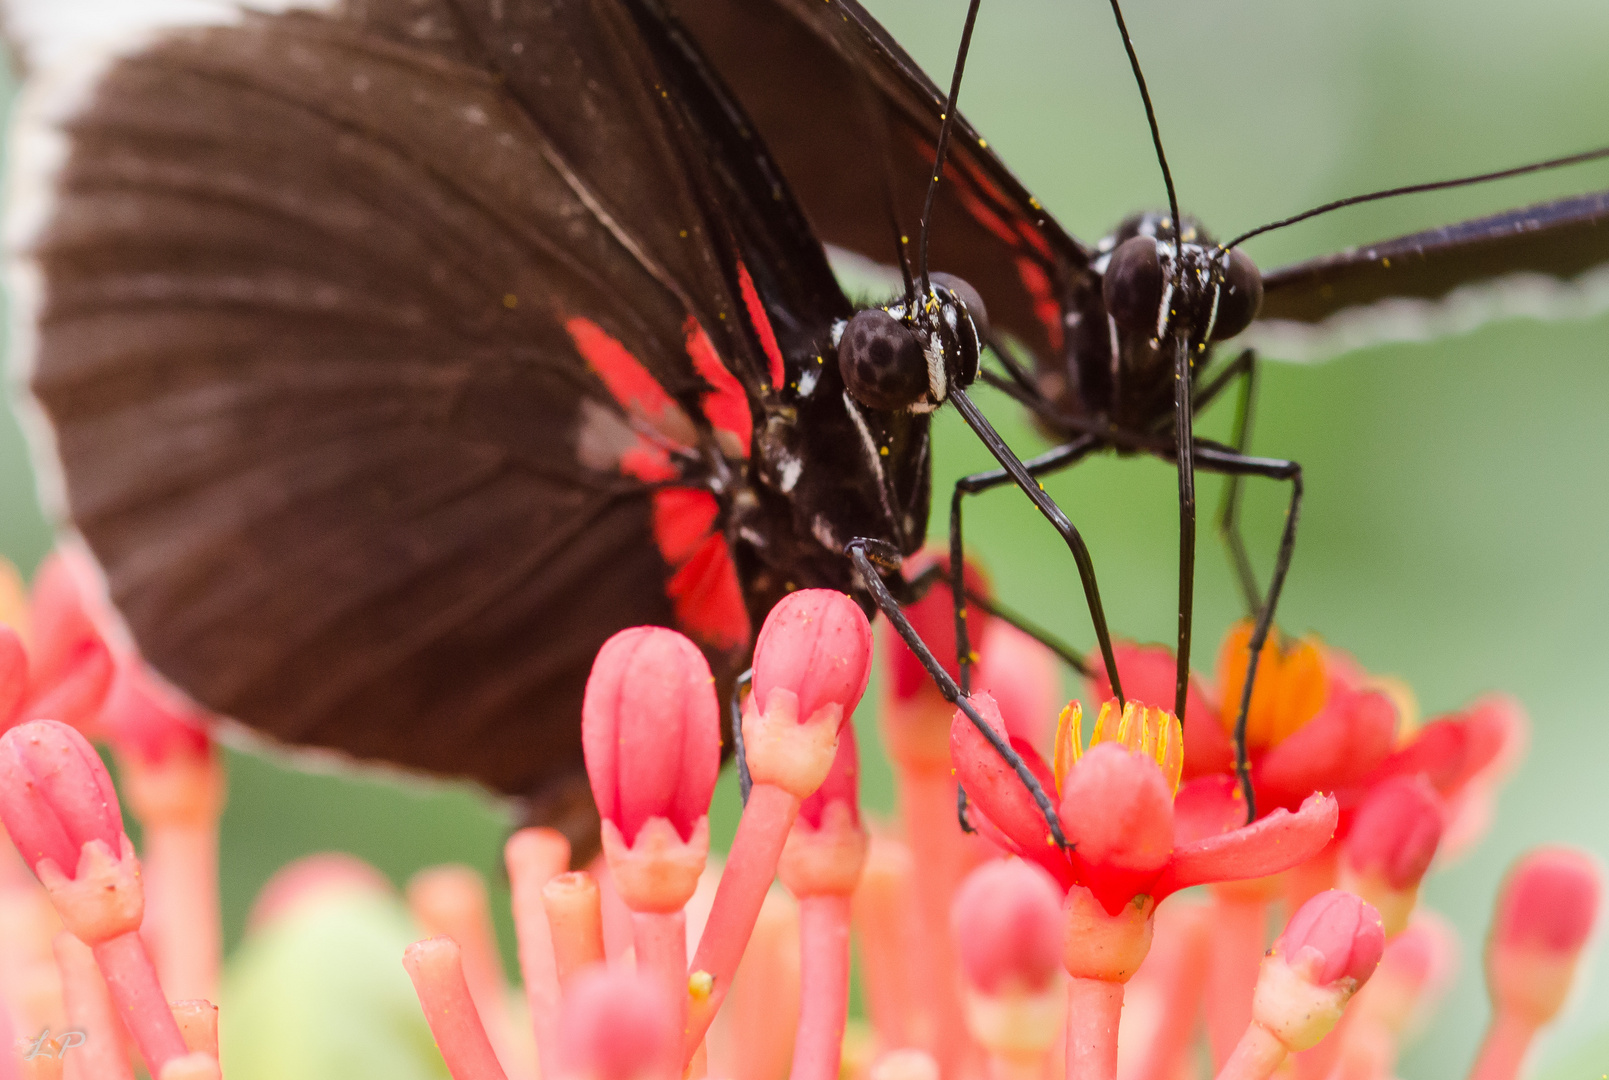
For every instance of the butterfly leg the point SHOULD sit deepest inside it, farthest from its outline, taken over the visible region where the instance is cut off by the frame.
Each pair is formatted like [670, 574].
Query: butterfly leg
[1061, 457]
[868, 556]
[735, 711]
[1244, 368]
[1184, 456]
[1212, 457]
[1047, 506]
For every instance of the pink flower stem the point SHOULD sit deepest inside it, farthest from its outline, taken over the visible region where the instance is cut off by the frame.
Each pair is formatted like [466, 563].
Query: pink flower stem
[927, 808]
[1185, 980]
[1094, 1007]
[661, 940]
[881, 933]
[132, 983]
[437, 969]
[181, 896]
[1255, 1057]
[824, 986]
[534, 857]
[89, 1009]
[1504, 1048]
[1239, 927]
[574, 907]
[752, 864]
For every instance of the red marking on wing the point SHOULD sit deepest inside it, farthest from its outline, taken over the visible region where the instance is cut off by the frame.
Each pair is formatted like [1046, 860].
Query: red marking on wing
[683, 519]
[983, 215]
[707, 598]
[726, 405]
[649, 463]
[1047, 306]
[1035, 238]
[762, 325]
[629, 382]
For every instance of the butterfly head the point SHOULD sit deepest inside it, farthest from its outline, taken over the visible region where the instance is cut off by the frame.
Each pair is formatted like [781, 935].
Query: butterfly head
[906, 357]
[1159, 284]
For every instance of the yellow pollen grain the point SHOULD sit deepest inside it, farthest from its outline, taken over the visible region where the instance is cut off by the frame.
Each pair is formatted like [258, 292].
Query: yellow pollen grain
[511, 301]
[700, 984]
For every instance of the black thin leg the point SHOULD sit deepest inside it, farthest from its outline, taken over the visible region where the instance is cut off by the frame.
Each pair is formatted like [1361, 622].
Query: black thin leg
[1229, 507]
[1221, 459]
[745, 782]
[1185, 456]
[1051, 461]
[1047, 506]
[861, 553]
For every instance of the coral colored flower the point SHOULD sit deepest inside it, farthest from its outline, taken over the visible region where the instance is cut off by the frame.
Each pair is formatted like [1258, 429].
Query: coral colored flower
[1544, 917]
[1335, 936]
[142, 717]
[1117, 807]
[650, 727]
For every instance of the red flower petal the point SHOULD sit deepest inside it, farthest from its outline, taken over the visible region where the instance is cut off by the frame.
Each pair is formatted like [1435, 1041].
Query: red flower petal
[1266, 846]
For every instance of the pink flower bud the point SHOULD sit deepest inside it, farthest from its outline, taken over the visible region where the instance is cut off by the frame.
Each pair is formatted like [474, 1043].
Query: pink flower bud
[1334, 936]
[1007, 923]
[617, 1025]
[650, 729]
[1117, 812]
[60, 617]
[55, 795]
[1549, 902]
[817, 644]
[1395, 832]
[1544, 916]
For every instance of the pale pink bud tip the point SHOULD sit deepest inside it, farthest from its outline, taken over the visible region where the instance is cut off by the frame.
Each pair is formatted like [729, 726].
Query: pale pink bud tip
[1007, 924]
[55, 795]
[1549, 902]
[1333, 936]
[1396, 831]
[616, 1025]
[841, 786]
[817, 644]
[650, 728]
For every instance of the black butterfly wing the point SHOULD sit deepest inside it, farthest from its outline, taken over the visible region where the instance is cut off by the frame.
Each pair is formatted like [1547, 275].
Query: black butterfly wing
[358, 373]
[852, 122]
[1540, 260]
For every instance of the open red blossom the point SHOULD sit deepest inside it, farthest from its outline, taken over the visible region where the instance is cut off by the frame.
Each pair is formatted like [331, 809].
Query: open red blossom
[1117, 801]
[1455, 750]
[55, 795]
[650, 728]
[142, 717]
[13, 675]
[1316, 721]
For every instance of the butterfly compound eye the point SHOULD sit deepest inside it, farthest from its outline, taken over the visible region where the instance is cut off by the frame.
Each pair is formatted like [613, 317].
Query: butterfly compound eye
[882, 362]
[1239, 298]
[969, 299]
[1133, 283]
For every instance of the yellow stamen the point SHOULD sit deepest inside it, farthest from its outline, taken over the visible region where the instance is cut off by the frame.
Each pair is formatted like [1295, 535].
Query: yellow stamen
[1154, 733]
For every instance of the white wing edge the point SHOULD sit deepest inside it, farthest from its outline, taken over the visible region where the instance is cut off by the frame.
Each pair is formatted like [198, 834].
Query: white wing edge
[49, 31]
[1529, 295]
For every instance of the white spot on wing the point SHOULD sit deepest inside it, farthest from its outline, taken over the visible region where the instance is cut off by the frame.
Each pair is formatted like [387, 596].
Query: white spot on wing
[791, 468]
[1534, 296]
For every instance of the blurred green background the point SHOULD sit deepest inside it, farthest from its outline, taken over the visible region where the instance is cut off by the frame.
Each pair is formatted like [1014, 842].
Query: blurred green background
[1455, 526]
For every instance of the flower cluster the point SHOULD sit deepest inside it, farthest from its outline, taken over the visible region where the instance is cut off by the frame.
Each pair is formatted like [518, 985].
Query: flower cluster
[986, 946]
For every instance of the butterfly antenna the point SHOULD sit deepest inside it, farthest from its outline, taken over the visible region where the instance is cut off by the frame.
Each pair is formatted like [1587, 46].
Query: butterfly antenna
[1414, 189]
[1150, 116]
[944, 141]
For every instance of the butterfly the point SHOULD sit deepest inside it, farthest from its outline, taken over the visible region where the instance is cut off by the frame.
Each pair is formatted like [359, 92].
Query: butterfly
[396, 353]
